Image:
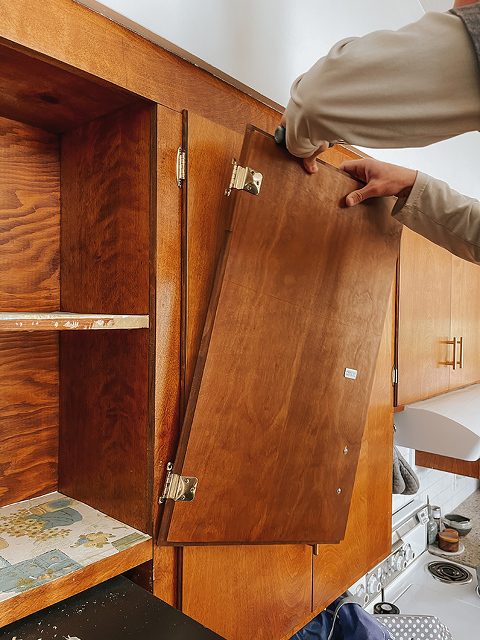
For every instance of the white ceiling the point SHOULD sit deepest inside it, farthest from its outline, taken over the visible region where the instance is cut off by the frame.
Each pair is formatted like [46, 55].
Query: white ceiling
[261, 46]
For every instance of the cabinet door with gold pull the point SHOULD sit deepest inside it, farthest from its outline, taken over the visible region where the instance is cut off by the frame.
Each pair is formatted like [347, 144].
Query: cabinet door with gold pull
[465, 321]
[424, 328]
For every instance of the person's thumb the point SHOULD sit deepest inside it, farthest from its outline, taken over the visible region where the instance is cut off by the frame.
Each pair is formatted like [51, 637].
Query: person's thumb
[355, 197]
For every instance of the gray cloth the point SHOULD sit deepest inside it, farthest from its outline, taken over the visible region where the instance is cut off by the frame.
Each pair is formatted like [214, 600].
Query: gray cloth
[470, 15]
[405, 480]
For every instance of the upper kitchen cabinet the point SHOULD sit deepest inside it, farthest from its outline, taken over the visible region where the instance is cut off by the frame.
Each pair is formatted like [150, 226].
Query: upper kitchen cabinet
[76, 209]
[279, 397]
[438, 346]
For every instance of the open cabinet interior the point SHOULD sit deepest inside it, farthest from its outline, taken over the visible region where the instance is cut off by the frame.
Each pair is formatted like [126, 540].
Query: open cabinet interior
[76, 159]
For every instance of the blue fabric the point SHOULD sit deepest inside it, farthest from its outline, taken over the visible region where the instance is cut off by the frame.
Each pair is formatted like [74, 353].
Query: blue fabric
[352, 623]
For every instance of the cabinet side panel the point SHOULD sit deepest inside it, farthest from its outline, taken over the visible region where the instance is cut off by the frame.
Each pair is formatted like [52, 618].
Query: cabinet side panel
[103, 421]
[28, 415]
[105, 180]
[29, 218]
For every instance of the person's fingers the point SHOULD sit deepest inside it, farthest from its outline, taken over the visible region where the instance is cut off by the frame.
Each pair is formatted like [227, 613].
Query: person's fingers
[354, 168]
[310, 163]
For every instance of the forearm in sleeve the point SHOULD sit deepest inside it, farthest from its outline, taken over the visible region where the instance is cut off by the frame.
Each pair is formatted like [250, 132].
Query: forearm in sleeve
[389, 89]
[442, 215]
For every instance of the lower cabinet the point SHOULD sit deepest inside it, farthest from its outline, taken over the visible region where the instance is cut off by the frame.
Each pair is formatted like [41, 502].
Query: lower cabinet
[260, 592]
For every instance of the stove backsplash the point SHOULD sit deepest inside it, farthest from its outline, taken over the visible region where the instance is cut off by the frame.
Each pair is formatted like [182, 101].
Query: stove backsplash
[446, 490]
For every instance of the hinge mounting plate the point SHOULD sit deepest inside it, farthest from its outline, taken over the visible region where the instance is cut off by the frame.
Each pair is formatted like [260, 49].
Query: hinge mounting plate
[244, 179]
[178, 488]
[181, 166]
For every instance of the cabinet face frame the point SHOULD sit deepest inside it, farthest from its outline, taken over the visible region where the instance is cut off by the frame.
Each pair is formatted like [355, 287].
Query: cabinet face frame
[100, 153]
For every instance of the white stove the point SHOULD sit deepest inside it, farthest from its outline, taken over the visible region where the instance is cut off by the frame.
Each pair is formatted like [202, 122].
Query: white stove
[404, 580]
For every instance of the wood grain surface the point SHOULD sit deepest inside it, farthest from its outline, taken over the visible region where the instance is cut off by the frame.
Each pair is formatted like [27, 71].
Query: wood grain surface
[106, 204]
[103, 422]
[368, 534]
[211, 149]
[29, 218]
[28, 415]
[259, 592]
[304, 296]
[42, 94]
[424, 319]
[168, 293]
[450, 465]
[465, 314]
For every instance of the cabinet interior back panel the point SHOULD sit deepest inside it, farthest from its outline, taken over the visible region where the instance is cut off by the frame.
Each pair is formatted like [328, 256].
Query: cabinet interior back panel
[28, 414]
[29, 280]
[29, 218]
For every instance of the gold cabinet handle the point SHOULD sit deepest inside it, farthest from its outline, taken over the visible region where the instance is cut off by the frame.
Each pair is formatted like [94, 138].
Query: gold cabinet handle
[453, 362]
[460, 361]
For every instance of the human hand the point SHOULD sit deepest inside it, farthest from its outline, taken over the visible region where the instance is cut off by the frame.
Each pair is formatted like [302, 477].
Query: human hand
[309, 163]
[382, 178]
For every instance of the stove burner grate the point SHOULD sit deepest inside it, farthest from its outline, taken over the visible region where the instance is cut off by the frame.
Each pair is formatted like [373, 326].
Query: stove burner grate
[449, 573]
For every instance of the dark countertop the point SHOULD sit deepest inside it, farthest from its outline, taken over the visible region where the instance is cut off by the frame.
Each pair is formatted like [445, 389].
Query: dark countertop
[469, 508]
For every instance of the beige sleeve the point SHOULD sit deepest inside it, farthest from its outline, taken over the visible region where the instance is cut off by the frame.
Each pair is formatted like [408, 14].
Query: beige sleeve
[442, 215]
[389, 89]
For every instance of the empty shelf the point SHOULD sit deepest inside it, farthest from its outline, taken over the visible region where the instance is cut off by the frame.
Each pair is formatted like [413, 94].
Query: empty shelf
[64, 321]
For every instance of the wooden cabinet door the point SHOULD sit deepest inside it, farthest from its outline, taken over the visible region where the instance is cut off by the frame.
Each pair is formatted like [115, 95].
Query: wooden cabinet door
[274, 421]
[423, 319]
[465, 321]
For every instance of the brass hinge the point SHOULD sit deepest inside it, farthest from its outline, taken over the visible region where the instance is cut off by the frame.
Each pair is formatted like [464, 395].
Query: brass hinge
[181, 166]
[244, 179]
[178, 487]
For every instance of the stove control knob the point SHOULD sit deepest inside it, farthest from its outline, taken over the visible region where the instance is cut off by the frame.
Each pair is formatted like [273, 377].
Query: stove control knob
[374, 585]
[400, 562]
[408, 553]
[361, 594]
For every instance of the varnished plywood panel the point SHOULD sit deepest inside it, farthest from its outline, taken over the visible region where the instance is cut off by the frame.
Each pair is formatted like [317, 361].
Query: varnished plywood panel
[424, 319]
[28, 415]
[259, 592]
[29, 218]
[450, 465]
[168, 262]
[304, 296]
[105, 178]
[368, 534]
[50, 97]
[103, 422]
[211, 149]
[465, 321]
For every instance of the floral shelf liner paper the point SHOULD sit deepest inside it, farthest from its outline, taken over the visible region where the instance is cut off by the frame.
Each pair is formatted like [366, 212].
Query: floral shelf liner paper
[53, 535]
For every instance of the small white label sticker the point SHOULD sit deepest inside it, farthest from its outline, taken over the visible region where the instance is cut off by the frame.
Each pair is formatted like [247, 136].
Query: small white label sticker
[350, 373]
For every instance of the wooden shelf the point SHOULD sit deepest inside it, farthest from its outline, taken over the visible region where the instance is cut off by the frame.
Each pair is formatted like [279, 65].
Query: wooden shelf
[63, 321]
[52, 547]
